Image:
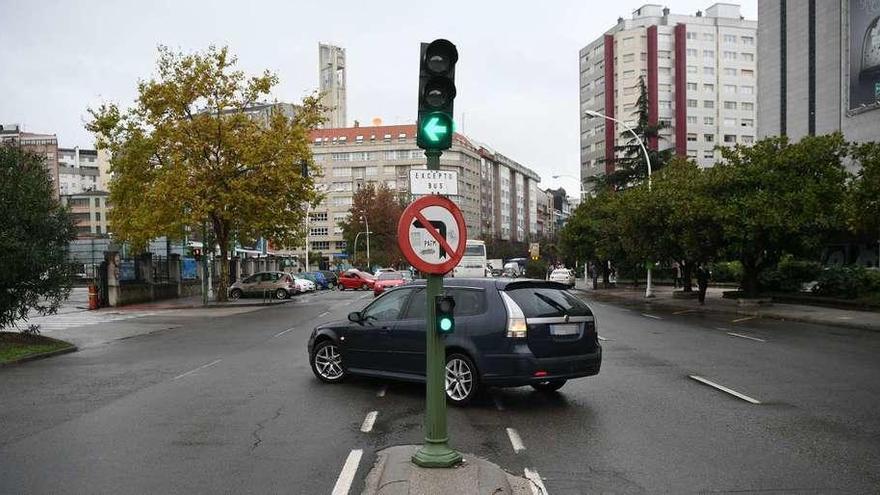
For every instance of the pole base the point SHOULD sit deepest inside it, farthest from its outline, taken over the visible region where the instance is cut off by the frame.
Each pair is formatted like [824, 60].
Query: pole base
[436, 455]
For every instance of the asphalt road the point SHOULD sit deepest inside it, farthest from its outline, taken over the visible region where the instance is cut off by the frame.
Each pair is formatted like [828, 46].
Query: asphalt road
[227, 404]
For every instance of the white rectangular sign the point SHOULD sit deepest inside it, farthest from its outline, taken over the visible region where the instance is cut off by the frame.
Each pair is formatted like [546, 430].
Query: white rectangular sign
[423, 181]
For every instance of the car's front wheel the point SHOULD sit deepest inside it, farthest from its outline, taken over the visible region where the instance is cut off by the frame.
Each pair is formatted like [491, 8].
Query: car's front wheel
[281, 294]
[235, 294]
[462, 381]
[549, 385]
[327, 362]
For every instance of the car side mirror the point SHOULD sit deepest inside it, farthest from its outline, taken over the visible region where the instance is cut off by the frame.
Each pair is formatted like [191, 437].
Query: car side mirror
[355, 317]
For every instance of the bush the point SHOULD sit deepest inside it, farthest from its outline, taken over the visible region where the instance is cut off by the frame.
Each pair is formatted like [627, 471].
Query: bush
[536, 269]
[726, 271]
[848, 282]
[790, 275]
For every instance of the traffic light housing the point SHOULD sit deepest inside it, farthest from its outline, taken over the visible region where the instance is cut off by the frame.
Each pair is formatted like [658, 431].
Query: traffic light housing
[436, 95]
[197, 253]
[444, 314]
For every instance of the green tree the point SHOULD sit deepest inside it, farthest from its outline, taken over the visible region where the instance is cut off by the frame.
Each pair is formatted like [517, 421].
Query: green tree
[381, 208]
[777, 197]
[34, 236]
[593, 232]
[630, 166]
[188, 155]
[863, 198]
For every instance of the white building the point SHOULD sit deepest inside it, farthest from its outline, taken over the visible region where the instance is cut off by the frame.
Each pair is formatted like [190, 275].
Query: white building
[78, 171]
[331, 82]
[701, 77]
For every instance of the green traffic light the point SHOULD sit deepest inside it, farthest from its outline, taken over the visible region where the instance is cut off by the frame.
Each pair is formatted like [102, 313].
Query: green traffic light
[435, 131]
[445, 324]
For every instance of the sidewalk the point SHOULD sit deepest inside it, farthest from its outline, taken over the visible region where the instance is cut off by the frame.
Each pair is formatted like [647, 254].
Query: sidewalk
[863, 320]
[192, 302]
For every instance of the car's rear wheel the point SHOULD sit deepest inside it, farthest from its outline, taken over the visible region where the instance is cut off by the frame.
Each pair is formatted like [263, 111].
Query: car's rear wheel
[462, 381]
[235, 294]
[327, 362]
[281, 294]
[549, 385]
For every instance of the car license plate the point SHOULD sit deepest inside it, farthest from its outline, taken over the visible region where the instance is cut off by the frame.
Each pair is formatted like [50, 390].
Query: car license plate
[563, 330]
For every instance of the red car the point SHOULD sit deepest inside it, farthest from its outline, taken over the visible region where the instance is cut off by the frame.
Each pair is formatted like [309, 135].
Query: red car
[388, 280]
[355, 279]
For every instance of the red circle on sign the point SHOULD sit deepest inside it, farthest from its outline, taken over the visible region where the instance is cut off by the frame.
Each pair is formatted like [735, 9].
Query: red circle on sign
[409, 216]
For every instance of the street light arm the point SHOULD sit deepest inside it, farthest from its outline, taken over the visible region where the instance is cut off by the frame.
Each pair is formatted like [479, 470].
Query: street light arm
[631, 131]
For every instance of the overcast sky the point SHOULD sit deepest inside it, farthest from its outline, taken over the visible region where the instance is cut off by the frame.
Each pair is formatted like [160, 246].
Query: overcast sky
[517, 75]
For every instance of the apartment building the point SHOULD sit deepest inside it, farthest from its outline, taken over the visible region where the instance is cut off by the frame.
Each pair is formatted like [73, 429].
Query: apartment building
[44, 145]
[331, 83]
[701, 77]
[89, 212]
[80, 170]
[494, 190]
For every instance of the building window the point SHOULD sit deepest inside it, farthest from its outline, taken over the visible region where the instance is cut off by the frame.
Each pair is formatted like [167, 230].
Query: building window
[387, 138]
[730, 105]
[708, 104]
[372, 171]
[691, 137]
[729, 55]
[748, 139]
[665, 104]
[664, 88]
[729, 122]
[664, 54]
[730, 138]
[692, 86]
[629, 73]
[319, 231]
[729, 89]
[692, 103]
[748, 73]
[708, 71]
[692, 69]
[339, 157]
[747, 106]
[691, 35]
[708, 88]
[691, 119]
[665, 71]
[747, 122]
[629, 57]
[709, 138]
[748, 57]
[341, 171]
[748, 41]
[708, 37]
[692, 153]
[747, 90]
[730, 72]
[730, 39]
[708, 154]
[691, 52]
[708, 120]
[320, 216]
[709, 54]
[321, 245]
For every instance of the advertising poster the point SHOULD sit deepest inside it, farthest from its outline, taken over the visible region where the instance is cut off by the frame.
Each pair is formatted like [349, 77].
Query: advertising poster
[189, 269]
[864, 50]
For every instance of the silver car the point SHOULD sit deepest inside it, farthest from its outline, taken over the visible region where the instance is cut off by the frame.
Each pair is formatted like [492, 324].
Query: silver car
[279, 285]
[563, 276]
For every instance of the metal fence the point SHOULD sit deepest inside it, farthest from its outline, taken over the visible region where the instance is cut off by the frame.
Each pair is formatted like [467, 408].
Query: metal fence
[161, 267]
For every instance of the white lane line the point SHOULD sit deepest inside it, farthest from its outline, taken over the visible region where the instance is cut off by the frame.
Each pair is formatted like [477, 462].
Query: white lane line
[346, 477]
[722, 329]
[325, 313]
[536, 484]
[747, 318]
[381, 392]
[745, 336]
[369, 421]
[685, 311]
[497, 401]
[515, 441]
[190, 372]
[279, 334]
[603, 339]
[724, 389]
[646, 315]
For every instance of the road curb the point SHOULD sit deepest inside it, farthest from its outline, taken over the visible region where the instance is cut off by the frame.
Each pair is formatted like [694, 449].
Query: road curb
[758, 313]
[395, 474]
[42, 355]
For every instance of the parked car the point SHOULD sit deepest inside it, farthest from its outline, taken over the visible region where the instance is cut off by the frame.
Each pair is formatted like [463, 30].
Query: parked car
[317, 278]
[563, 276]
[383, 270]
[331, 277]
[508, 333]
[303, 284]
[387, 280]
[355, 279]
[280, 284]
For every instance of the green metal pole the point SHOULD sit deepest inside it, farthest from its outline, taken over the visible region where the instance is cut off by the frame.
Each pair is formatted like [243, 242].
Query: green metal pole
[435, 453]
[205, 273]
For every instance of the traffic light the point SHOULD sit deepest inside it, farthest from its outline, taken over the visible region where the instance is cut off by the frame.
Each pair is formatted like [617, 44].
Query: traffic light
[444, 309]
[197, 253]
[436, 94]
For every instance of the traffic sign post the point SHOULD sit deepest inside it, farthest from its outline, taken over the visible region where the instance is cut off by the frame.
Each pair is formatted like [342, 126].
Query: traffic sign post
[432, 236]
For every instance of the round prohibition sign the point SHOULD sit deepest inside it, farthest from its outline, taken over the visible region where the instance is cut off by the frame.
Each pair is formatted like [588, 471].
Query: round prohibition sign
[432, 235]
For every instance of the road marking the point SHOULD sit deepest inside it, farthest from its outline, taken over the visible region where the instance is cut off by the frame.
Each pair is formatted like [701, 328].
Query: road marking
[279, 334]
[685, 311]
[724, 389]
[646, 315]
[537, 484]
[515, 441]
[346, 477]
[497, 401]
[743, 319]
[745, 336]
[381, 392]
[212, 363]
[368, 421]
[722, 329]
[325, 313]
[603, 339]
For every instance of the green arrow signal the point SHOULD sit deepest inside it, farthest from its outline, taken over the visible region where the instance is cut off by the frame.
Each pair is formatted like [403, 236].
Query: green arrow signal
[434, 130]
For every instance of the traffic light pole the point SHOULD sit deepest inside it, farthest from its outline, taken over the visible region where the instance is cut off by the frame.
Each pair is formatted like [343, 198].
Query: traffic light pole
[435, 453]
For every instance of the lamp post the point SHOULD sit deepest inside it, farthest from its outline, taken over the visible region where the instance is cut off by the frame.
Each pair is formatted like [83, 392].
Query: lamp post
[356, 243]
[367, 222]
[649, 292]
[308, 208]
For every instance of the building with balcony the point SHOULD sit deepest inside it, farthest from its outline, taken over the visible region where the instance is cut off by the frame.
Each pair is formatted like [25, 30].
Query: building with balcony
[43, 145]
[89, 212]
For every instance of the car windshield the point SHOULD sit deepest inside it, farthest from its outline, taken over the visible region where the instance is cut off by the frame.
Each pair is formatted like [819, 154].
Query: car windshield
[390, 276]
[475, 250]
[537, 302]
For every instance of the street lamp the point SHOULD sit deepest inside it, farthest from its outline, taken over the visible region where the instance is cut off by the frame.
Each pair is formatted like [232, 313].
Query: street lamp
[592, 113]
[367, 222]
[356, 242]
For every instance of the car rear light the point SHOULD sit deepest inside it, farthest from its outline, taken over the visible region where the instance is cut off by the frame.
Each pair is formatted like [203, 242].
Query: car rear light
[516, 320]
[540, 373]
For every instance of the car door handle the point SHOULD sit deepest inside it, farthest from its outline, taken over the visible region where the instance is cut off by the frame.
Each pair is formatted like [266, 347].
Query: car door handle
[385, 329]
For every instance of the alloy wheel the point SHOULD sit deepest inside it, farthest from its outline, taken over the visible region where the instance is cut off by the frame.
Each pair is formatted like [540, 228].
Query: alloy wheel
[328, 362]
[459, 379]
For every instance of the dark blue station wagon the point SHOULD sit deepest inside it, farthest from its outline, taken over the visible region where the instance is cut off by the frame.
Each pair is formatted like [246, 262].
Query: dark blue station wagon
[508, 333]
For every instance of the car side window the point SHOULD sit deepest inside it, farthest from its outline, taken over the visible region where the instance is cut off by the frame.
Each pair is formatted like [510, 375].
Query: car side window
[252, 279]
[388, 307]
[468, 302]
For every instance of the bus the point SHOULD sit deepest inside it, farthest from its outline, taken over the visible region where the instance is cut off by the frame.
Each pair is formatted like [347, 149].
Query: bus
[473, 263]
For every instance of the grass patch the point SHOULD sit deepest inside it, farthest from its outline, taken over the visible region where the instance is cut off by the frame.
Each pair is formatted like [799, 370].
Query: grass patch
[14, 345]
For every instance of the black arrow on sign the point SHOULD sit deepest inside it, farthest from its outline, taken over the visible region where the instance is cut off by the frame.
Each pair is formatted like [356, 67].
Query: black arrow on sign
[440, 226]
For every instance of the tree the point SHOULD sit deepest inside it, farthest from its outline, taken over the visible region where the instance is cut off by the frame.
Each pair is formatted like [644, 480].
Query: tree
[34, 237]
[777, 197]
[592, 233]
[631, 168]
[381, 208]
[188, 155]
[863, 198]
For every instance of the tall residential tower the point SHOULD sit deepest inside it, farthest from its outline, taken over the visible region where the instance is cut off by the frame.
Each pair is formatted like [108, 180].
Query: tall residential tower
[331, 75]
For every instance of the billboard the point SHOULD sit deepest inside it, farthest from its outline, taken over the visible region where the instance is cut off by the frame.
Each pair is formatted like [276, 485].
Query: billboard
[864, 53]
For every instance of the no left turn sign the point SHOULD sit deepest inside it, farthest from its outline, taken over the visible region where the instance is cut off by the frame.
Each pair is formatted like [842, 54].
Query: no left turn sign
[432, 234]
